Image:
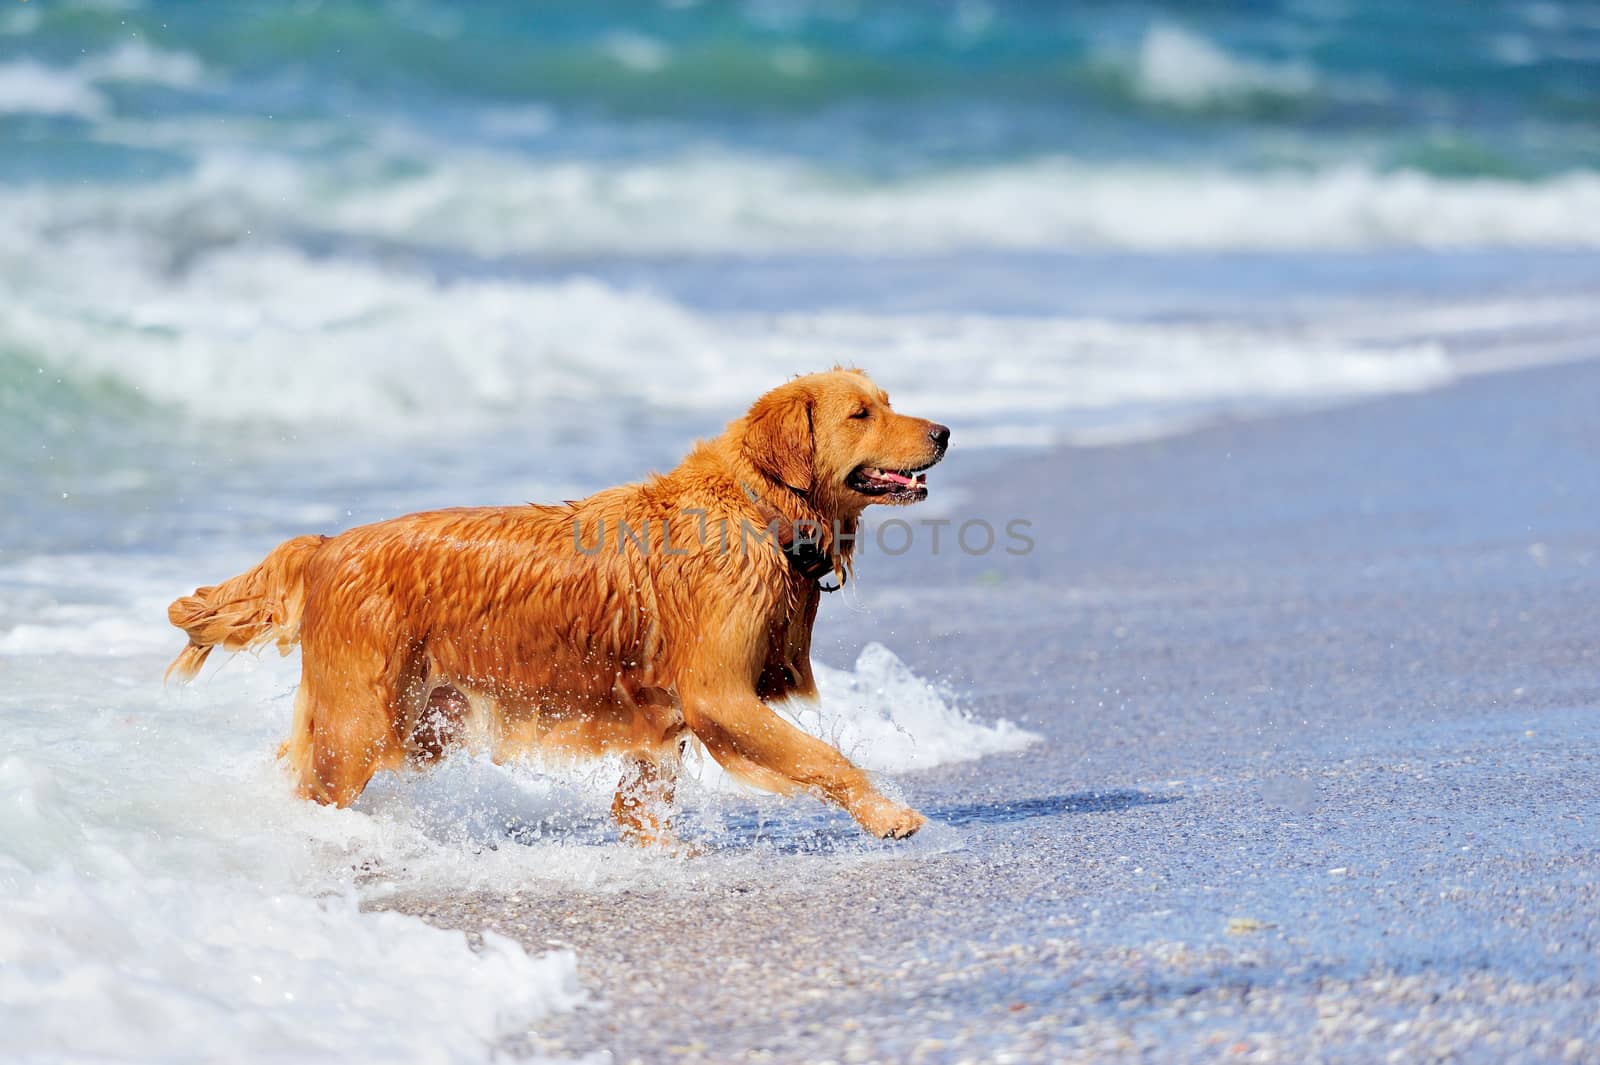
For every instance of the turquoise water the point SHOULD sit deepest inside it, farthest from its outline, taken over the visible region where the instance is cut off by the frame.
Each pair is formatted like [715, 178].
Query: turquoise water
[553, 130]
[870, 90]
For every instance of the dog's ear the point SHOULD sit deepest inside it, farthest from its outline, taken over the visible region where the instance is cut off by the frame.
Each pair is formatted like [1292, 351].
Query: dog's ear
[778, 438]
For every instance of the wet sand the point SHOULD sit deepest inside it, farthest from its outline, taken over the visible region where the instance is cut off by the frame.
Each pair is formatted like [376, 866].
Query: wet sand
[1319, 779]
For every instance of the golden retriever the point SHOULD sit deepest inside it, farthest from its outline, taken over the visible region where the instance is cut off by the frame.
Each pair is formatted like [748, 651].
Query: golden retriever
[618, 624]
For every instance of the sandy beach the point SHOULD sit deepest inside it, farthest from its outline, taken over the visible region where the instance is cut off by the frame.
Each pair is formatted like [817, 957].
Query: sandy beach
[1318, 778]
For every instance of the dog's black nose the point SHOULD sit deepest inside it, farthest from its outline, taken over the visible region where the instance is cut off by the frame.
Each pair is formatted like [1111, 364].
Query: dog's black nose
[940, 435]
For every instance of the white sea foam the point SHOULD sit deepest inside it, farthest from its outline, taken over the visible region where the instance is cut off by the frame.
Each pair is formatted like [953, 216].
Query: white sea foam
[270, 332]
[636, 52]
[75, 628]
[136, 965]
[31, 87]
[161, 898]
[886, 718]
[137, 60]
[1183, 69]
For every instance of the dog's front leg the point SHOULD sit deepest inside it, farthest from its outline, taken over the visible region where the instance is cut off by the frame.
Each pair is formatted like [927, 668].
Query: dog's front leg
[750, 741]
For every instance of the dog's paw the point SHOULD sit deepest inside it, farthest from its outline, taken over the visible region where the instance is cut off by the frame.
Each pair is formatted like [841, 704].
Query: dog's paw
[889, 820]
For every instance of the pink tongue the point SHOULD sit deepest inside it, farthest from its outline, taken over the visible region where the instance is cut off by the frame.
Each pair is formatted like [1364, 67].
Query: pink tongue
[890, 475]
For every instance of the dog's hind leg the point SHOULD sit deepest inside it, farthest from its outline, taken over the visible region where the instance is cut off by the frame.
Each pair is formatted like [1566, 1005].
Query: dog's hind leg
[644, 799]
[438, 723]
[344, 732]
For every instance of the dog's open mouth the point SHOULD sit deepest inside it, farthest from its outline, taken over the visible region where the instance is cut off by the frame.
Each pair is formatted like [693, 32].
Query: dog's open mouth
[897, 486]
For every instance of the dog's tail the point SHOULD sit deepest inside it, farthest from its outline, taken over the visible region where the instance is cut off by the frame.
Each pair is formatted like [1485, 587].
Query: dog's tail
[247, 610]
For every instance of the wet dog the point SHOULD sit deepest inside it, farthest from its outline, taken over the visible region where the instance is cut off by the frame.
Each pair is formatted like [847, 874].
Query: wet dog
[620, 624]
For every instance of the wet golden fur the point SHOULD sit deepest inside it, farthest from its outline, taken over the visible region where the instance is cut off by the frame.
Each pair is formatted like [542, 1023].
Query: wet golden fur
[511, 629]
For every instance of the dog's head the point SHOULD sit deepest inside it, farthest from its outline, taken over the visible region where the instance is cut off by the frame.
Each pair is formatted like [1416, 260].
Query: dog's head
[833, 437]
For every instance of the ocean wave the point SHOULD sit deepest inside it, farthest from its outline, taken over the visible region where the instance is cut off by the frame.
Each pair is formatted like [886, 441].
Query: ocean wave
[246, 333]
[158, 876]
[139, 61]
[413, 191]
[1182, 69]
[30, 87]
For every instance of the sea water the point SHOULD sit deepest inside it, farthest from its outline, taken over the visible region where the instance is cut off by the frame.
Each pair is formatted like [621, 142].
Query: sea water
[275, 268]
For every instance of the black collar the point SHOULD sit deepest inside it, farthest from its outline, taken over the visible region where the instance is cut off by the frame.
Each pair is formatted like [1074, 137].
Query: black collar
[805, 555]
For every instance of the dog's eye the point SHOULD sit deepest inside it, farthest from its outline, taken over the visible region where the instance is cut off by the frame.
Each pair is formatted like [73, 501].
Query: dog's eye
[864, 412]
